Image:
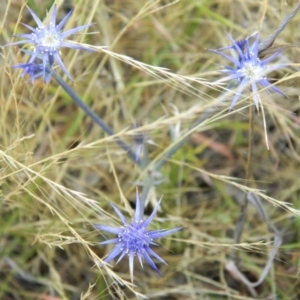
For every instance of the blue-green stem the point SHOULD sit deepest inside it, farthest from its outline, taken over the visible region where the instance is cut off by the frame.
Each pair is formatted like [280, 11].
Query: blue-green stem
[144, 163]
[93, 116]
[147, 181]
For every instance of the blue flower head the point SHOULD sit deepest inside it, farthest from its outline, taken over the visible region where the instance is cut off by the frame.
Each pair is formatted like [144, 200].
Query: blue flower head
[48, 39]
[134, 239]
[248, 70]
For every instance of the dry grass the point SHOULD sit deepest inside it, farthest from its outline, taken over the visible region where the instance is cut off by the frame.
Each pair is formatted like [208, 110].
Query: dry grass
[59, 171]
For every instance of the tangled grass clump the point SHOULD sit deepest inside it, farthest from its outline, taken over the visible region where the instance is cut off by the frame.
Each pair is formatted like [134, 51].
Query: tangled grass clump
[225, 159]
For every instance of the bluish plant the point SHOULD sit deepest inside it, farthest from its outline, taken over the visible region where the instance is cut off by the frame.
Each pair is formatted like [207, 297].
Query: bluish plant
[248, 70]
[134, 239]
[34, 70]
[47, 40]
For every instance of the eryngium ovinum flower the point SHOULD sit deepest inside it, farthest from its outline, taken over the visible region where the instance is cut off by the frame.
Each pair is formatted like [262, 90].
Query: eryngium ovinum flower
[48, 39]
[134, 239]
[248, 70]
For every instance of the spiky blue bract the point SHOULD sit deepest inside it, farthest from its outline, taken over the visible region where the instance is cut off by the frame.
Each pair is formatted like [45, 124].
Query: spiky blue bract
[47, 40]
[34, 70]
[248, 69]
[134, 239]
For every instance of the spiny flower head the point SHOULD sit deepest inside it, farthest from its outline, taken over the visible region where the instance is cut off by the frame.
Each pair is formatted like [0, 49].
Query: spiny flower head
[249, 69]
[48, 39]
[134, 239]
